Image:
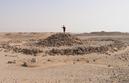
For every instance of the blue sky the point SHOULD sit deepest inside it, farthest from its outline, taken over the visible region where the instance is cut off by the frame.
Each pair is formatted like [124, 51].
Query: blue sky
[77, 15]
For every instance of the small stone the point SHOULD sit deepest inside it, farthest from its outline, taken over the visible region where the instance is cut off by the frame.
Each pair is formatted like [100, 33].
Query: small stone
[33, 60]
[24, 64]
[11, 62]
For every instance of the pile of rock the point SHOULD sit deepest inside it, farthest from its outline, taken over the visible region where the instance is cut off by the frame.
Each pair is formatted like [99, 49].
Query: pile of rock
[59, 39]
[24, 50]
[78, 50]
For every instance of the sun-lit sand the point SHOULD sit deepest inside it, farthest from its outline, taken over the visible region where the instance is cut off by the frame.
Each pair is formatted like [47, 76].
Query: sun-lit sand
[64, 58]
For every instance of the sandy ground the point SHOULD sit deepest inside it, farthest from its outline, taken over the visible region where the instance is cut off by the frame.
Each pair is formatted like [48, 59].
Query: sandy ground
[87, 68]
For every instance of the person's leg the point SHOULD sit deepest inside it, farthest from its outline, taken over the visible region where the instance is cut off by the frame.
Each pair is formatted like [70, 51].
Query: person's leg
[63, 29]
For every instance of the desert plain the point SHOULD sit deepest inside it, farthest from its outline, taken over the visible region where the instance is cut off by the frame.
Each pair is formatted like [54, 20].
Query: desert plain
[49, 57]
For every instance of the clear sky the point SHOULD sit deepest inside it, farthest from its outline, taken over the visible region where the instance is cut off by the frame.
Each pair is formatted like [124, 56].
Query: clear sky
[77, 15]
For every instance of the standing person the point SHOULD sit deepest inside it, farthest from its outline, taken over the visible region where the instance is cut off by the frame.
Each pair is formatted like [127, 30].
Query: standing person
[64, 28]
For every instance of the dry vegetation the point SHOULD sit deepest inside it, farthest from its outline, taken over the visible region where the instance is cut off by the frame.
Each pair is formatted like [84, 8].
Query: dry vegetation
[64, 58]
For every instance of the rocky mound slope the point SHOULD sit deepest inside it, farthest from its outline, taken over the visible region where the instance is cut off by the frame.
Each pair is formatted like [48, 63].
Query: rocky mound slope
[60, 39]
[82, 49]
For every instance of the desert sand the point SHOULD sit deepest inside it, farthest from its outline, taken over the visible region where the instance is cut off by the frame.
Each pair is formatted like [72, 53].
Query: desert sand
[64, 58]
